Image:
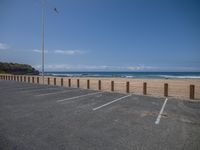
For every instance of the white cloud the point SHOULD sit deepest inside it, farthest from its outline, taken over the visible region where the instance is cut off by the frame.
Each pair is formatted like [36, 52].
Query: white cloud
[141, 68]
[39, 51]
[4, 46]
[82, 67]
[180, 69]
[68, 52]
[64, 52]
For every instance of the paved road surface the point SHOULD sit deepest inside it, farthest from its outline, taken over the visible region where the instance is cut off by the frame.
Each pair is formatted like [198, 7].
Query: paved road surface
[38, 117]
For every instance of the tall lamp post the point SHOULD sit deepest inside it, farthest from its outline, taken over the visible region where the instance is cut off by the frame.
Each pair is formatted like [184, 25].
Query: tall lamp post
[43, 25]
[43, 17]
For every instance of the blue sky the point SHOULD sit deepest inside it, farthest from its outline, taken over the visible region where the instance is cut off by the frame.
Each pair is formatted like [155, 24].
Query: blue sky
[103, 35]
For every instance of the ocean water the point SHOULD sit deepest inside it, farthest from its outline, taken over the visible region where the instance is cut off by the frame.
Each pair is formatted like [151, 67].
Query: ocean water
[159, 75]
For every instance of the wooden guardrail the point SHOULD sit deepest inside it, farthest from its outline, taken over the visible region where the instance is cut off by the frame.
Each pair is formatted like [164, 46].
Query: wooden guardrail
[129, 86]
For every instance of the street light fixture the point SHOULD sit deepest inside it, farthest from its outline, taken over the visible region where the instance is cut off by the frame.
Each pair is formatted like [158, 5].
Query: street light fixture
[43, 17]
[43, 26]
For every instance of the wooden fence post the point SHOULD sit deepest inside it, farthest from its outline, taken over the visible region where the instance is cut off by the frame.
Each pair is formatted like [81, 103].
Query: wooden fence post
[88, 84]
[54, 81]
[99, 84]
[166, 90]
[69, 82]
[192, 91]
[38, 80]
[78, 83]
[61, 81]
[112, 85]
[144, 88]
[127, 87]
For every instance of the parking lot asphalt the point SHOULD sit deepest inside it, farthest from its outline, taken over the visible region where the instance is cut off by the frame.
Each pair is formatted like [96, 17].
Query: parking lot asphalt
[43, 117]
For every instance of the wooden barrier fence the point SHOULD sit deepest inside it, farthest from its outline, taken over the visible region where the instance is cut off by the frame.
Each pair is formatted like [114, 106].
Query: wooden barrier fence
[128, 86]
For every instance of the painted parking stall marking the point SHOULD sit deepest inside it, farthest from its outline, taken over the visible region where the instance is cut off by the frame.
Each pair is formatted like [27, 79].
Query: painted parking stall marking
[19, 88]
[106, 104]
[32, 90]
[59, 92]
[161, 112]
[79, 96]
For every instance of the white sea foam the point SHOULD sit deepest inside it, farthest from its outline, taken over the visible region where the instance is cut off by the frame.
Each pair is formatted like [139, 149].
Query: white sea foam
[128, 75]
[64, 74]
[180, 77]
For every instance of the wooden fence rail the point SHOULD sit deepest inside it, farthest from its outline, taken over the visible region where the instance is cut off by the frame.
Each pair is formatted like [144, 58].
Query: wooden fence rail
[166, 90]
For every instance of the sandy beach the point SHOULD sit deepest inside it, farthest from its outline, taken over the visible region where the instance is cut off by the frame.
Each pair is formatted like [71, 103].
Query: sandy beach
[178, 88]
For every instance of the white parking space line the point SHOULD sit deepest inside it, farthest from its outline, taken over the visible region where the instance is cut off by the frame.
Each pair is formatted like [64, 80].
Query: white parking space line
[23, 88]
[36, 89]
[161, 111]
[79, 96]
[56, 92]
[17, 88]
[106, 104]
